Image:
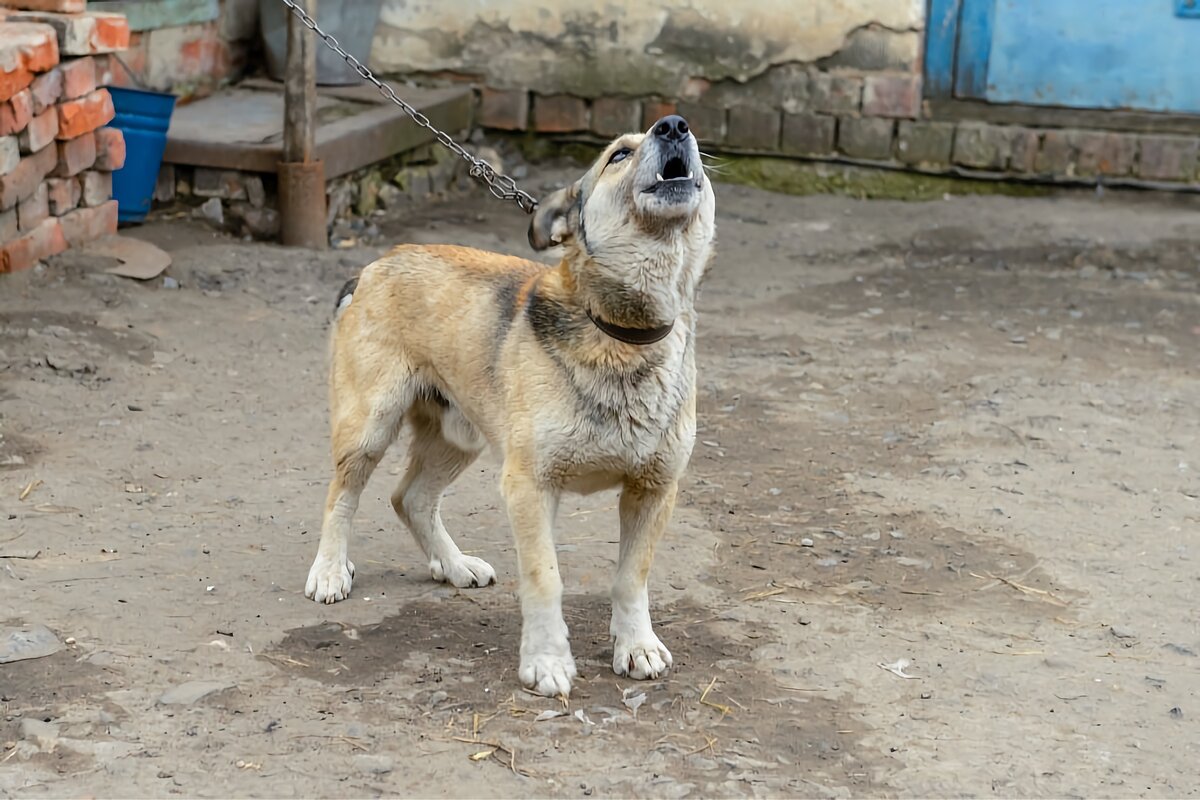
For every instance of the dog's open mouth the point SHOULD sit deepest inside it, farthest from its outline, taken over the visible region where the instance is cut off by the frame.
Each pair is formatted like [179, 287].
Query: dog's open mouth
[675, 172]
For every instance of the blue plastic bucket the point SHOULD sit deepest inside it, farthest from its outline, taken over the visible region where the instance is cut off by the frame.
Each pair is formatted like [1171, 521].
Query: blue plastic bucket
[143, 117]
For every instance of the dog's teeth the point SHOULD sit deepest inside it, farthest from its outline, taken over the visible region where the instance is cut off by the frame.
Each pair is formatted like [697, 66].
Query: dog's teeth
[659, 176]
[689, 174]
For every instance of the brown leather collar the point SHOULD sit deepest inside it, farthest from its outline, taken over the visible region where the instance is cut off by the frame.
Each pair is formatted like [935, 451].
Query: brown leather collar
[639, 336]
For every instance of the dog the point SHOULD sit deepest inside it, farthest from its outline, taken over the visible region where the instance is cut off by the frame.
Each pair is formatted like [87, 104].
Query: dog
[581, 378]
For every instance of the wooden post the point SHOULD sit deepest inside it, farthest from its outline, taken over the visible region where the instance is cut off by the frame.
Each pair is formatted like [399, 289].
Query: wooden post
[301, 173]
[300, 88]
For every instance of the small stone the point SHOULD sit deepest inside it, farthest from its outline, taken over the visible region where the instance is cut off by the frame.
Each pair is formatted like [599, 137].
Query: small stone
[1176, 713]
[43, 734]
[926, 695]
[806, 542]
[187, 693]
[391, 196]
[437, 697]
[21, 644]
[1122, 633]
[170, 283]
[212, 211]
[373, 765]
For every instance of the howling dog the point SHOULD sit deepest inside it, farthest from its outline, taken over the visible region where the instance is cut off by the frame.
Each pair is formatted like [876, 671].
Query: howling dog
[581, 377]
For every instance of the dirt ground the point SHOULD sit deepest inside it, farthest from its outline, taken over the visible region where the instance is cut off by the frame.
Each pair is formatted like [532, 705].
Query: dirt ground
[960, 434]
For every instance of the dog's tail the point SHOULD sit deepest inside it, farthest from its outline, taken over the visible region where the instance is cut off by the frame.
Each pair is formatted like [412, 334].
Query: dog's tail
[345, 295]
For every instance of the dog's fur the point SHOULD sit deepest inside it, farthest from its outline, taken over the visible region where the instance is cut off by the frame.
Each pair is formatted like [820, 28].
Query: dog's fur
[475, 349]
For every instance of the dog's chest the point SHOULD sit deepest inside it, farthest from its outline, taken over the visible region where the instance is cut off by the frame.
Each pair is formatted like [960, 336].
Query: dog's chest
[624, 423]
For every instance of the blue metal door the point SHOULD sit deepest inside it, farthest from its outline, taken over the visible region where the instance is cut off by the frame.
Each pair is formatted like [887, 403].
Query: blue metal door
[1101, 54]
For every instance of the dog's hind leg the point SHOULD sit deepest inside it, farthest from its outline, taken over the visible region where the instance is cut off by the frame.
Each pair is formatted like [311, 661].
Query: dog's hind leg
[637, 651]
[361, 435]
[434, 463]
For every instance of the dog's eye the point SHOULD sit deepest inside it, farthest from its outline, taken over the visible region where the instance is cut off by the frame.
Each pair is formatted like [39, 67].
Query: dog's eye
[620, 155]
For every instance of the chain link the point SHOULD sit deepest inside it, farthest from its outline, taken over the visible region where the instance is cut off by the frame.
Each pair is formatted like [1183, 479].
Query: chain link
[502, 187]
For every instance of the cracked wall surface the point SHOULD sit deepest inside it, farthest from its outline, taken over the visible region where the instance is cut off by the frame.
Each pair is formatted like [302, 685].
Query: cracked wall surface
[635, 47]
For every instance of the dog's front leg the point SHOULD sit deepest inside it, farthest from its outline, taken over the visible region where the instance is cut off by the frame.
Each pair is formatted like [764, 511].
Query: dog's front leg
[547, 666]
[645, 511]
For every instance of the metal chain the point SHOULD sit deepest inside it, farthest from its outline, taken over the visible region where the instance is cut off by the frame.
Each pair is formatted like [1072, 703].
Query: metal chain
[501, 186]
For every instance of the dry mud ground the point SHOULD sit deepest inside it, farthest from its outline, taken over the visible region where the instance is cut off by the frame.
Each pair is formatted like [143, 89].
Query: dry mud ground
[964, 434]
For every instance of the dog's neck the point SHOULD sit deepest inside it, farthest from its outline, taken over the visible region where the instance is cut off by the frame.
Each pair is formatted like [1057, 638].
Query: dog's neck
[647, 293]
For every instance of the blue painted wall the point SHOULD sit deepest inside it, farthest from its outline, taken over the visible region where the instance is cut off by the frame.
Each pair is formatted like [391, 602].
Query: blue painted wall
[1103, 54]
[1094, 54]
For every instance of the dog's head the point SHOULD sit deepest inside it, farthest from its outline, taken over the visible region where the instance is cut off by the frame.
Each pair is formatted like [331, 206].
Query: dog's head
[643, 187]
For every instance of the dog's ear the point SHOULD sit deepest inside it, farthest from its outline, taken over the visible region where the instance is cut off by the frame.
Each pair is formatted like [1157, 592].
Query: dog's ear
[552, 222]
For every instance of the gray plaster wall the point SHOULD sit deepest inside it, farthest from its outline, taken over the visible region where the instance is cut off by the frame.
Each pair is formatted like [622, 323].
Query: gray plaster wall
[641, 47]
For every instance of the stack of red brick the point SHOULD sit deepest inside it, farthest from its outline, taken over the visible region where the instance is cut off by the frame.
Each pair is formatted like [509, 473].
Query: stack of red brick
[56, 156]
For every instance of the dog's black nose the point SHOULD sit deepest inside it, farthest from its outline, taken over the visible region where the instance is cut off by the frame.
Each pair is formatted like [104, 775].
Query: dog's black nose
[671, 127]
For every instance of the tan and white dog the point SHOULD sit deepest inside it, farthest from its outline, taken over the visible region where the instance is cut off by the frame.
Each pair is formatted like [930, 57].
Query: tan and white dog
[581, 377]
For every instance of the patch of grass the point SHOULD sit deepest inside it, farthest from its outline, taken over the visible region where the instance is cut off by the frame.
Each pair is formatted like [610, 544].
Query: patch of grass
[804, 178]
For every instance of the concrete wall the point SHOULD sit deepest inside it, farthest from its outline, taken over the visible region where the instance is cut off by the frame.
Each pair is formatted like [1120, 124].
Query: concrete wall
[639, 47]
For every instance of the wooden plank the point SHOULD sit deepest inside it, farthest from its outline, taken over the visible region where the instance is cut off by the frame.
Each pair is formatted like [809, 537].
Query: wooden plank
[974, 49]
[354, 142]
[941, 39]
[300, 89]
[149, 15]
[243, 129]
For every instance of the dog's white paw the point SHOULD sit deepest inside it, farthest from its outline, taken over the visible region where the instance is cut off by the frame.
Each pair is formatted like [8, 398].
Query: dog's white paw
[329, 580]
[465, 572]
[548, 674]
[645, 658]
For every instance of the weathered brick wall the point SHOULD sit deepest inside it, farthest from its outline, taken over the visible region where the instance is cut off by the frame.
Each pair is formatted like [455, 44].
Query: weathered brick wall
[825, 81]
[871, 119]
[56, 156]
[192, 59]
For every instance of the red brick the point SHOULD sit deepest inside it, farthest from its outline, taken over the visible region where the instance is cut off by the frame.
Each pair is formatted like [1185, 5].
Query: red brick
[32, 47]
[897, 96]
[88, 33]
[40, 132]
[33, 209]
[26, 177]
[44, 241]
[77, 117]
[24, 50]
[63, 194]
[613, 116]
[559, 113]
[1057, 153]
[75, 155]
[85, 224]
[504, 110]
[96, 188]
[655, 109]
[10, 154]
[16, 112]
[1025, 144]
[1171, 158]
[835, 94]
[13, 81]
[46, 89]
[79, 77]
[8, 222]
[754, 128]
[110, 72]
[707, 122]
[63, 6]
[810, 134]
[110, 149]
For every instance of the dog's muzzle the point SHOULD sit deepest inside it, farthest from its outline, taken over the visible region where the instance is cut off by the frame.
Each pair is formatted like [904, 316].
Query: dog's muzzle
[678, 172]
